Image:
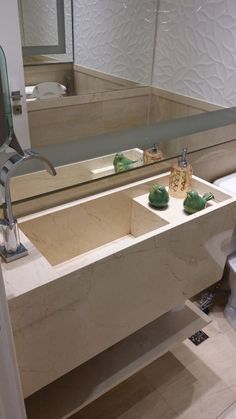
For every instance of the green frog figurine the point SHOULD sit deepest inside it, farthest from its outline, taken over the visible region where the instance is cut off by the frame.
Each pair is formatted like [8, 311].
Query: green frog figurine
[122, 163]
[194, 202]
[158, 197]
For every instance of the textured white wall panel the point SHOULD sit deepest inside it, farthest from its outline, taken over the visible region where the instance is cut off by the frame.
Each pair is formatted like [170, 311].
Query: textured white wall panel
[116, 36]
[39, 22]
[195, 51]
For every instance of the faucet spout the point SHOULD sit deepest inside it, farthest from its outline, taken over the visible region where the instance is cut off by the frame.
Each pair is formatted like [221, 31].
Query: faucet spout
[12, 246]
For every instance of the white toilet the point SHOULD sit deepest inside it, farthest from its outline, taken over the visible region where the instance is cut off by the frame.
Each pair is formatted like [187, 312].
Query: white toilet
[48, 90]
[228, 183]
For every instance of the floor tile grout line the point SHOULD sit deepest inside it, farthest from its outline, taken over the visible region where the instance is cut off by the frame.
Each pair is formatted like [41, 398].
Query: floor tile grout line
[225, 410]
[155, 389]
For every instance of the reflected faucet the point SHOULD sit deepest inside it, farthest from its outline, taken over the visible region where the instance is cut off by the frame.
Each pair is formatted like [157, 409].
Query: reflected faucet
[12, 248]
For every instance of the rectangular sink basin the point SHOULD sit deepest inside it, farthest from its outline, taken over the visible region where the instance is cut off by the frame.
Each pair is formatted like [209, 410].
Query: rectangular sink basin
[83, 226]
[77, 229]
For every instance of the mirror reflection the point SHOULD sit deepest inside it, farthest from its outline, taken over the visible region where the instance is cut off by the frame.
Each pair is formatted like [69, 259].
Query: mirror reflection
[46, 31]
[135, 64]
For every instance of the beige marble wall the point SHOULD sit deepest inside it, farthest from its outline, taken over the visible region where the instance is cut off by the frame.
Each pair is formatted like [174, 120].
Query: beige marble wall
[60, 73]
[89, 111]
[84, 83]
[122, 107]
[92, 81]
[200, 141]
[167, 105]
[81, 80]
[77, 117]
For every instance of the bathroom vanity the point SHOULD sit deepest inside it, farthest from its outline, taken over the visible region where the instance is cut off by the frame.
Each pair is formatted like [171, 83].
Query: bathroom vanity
[106, 288]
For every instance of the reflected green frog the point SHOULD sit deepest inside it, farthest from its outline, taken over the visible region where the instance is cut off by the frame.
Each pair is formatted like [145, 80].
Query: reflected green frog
[194, 202]
[122, 163]
[158, 197]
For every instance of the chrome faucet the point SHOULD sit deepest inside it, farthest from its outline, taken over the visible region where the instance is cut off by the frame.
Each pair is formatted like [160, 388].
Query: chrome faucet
[12, 248]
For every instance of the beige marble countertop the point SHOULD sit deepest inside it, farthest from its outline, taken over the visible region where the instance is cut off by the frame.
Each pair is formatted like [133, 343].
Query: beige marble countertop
[30, 272]
[87, 303]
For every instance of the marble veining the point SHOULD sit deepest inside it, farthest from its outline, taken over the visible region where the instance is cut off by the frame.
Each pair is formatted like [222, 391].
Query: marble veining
[101, 296]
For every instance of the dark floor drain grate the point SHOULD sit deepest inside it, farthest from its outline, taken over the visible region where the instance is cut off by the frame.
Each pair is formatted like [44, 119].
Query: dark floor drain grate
[198, 337]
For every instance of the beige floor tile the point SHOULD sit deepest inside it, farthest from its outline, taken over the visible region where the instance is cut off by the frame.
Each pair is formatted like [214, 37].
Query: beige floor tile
[219, 320]
[219, 354]
[229, 413]
[190, 382]
[211, 329]
[151, 407]
[209, 406]
[210, 395]
[166, 370]
[184, 353]
[133, 399]
[192, 392]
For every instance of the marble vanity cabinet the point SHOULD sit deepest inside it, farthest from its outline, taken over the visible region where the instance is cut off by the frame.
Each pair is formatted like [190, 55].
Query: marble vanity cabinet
[101, 281]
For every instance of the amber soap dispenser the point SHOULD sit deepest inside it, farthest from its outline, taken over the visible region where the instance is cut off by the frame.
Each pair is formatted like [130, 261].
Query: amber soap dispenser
[153, 154]
[180, 177]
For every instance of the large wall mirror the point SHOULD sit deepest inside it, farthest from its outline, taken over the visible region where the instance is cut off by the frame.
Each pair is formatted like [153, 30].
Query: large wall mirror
[129, 67]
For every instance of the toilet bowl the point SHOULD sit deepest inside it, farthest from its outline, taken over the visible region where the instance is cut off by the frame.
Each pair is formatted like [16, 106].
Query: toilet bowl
[230, 308]
[48, 90]
[228, 183]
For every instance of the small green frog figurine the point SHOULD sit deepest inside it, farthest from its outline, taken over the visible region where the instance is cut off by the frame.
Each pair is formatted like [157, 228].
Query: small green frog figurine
[158, 196]
[122, 163]
[194, 202]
